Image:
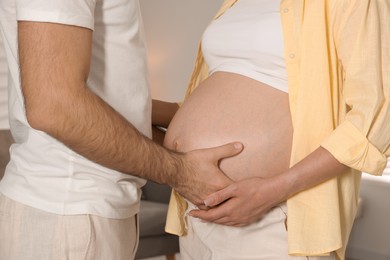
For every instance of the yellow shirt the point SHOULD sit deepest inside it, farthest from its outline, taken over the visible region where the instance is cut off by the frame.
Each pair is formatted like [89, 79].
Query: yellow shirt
[338, 63]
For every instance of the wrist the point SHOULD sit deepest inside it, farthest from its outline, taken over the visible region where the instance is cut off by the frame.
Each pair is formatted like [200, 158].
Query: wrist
[175, 169]
[286, 185]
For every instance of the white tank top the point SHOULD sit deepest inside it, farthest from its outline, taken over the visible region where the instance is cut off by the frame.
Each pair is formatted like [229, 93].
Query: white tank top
[248, 40]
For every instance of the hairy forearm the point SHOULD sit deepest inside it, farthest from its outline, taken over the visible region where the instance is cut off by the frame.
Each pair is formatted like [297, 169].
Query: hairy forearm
[89, 126]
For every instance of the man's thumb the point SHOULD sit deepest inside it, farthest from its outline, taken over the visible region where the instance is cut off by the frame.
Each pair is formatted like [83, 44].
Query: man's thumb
[227, 150]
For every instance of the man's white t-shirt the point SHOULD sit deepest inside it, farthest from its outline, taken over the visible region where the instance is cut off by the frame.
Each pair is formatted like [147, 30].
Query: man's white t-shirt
[45, 174]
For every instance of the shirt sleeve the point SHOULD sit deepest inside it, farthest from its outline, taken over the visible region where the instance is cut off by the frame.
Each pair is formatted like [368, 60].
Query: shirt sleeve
[69, 12]
[362, 38]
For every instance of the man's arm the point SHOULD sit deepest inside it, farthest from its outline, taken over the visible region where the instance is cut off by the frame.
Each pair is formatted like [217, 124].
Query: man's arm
[54, 62]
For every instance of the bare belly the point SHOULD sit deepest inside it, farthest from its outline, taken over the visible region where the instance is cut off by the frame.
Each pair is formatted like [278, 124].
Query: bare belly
[229, 107]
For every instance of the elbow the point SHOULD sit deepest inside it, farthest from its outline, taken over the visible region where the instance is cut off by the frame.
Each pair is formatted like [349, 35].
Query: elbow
[41, 115]
[53, 110]
[39, 119]
[45, 106]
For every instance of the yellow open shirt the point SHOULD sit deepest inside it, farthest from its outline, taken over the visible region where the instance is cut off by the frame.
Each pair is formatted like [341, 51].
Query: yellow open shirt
[338, 63]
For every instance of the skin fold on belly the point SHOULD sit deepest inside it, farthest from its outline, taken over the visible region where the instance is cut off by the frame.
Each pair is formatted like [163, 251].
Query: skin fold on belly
[229, 107]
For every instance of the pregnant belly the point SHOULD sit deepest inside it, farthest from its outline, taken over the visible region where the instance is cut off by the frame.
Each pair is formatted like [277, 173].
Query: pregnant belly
[229, 107]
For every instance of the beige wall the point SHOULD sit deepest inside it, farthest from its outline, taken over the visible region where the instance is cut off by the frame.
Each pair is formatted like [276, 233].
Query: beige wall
[173, 29]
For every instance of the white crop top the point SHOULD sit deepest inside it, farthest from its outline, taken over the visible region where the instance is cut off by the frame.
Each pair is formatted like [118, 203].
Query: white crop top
[248, 40]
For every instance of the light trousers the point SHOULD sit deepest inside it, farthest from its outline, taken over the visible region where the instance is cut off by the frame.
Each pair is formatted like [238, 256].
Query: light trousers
[27, 233]
[263, 240]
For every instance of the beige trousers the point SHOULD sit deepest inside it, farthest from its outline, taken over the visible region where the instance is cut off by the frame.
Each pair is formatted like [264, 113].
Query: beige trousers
[28, 233]
[263, 240]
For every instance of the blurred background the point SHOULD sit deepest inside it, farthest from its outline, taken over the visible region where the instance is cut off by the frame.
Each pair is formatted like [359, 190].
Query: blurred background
[173, 29]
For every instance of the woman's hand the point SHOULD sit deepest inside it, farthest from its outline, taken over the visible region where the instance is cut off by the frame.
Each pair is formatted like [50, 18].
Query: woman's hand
[242, 203]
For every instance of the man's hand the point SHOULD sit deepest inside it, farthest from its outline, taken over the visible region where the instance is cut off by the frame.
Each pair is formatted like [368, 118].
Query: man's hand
[202, 175]
[242, 203]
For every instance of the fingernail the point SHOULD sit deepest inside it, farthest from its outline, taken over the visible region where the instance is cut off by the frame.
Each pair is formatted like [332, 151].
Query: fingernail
[237, 146]
[207, 202]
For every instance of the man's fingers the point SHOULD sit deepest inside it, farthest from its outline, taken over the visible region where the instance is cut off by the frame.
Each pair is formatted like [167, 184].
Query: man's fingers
[204, 175]
[226, 150]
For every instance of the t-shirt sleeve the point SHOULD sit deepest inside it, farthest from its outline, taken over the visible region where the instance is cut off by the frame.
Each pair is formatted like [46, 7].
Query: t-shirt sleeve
[69, 12]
